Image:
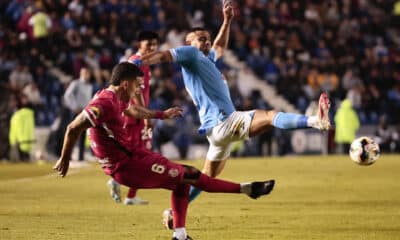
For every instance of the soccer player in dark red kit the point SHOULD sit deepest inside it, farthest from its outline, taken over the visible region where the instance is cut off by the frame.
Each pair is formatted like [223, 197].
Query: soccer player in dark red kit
[140, 129]
[141, 168]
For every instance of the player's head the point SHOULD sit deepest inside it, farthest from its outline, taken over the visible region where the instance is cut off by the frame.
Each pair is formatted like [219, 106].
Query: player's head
[199, 38]
[147, 42]
[127, 77]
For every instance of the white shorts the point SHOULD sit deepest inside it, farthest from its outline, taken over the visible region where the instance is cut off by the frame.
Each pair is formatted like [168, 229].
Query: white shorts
[236, 127]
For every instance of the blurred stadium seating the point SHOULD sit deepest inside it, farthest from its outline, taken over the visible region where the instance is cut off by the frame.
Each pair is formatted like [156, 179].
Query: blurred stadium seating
[349, 48]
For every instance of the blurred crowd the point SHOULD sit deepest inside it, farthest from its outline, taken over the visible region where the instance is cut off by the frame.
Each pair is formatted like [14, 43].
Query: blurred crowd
[301, 47]
[344, 47]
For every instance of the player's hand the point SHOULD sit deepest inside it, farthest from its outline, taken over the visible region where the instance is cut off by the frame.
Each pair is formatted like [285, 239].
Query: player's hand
[62, 166]
[228, 10]
[173, 112]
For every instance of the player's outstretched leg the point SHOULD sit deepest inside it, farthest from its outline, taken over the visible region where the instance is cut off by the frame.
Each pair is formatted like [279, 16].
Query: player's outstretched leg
[133, 199]
[115, 190]
[263, 120]
[201, 181]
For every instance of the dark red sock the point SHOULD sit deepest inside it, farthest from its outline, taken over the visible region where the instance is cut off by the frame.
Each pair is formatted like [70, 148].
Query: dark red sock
[180, 202]
[131, 193]
[210, 184]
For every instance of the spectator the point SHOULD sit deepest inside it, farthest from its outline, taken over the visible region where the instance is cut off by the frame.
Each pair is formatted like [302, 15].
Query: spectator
[76, 97]
[384, 135]
[41, 23]
[22, 126]
[20, 77]
[347, 124]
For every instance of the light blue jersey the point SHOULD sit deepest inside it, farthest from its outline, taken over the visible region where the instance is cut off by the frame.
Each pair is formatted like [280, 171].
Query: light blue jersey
[205, 84]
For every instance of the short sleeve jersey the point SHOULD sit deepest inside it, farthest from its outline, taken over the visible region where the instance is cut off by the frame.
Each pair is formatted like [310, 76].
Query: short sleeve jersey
[205, 84]
[108, 136]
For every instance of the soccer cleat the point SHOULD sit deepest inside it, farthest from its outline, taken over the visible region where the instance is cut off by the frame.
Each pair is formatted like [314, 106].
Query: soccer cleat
[187, 238]
[135, 201]
[261, 188]
[168, 219]
[323, 112]
[115, 191]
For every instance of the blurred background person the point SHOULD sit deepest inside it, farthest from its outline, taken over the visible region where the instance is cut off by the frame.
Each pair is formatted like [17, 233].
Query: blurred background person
[76, 97]
[347, 124]
[22, 130]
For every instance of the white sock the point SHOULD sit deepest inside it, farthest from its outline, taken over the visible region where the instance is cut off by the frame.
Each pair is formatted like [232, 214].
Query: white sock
[245, 188]
[312, 121]
[180, 233]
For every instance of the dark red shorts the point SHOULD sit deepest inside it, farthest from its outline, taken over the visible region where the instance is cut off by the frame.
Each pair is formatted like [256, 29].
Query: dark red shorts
[149, 170]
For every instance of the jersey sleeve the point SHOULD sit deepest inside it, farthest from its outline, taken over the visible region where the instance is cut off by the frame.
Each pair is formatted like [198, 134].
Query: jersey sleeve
[184, 54]
[133, 57]
[212, 55]
[99, 111]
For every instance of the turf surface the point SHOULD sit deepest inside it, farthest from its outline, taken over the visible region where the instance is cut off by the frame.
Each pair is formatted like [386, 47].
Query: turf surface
[315, 198]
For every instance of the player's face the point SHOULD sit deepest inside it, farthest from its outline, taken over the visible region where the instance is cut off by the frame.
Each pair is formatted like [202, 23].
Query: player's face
[202, 41]
[131, 88]
[136, 86]
[148, 46]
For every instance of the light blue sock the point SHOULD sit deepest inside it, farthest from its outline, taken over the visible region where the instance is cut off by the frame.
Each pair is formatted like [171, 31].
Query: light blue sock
[289, 121]
[194, 192]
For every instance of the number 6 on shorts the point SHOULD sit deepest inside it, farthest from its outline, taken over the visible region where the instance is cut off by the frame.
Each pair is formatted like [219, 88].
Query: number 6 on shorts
[157, 168]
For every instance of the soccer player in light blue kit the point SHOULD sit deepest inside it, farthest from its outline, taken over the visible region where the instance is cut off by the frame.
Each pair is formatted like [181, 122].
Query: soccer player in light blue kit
[220, 122]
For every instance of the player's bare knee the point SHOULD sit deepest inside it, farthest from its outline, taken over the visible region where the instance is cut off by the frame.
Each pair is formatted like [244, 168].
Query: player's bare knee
[212, 169]
[270, 116]
[191, 173]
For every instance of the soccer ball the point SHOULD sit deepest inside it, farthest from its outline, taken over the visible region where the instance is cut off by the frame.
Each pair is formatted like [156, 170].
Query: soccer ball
[364, 151]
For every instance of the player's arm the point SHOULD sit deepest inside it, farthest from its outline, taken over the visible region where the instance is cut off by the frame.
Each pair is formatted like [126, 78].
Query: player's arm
[139, 100]
[221, 41]
[74, 130]
[179, 55]
[155, 58]
[144, 113]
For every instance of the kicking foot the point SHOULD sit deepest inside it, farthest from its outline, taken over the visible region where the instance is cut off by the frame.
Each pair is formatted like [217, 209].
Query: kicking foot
[135, 201]
[168, 219]
[323, 112]
[115, 191]
[261, 188]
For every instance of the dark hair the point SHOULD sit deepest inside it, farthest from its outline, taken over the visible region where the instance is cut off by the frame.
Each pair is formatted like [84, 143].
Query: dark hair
[147, 35]
[195, 29]
[125, 71]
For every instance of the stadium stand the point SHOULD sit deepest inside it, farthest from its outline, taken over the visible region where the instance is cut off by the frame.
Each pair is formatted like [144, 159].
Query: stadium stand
[299, 47]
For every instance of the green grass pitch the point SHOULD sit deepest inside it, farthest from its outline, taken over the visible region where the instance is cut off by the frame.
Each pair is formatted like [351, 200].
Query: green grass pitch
[315, 197]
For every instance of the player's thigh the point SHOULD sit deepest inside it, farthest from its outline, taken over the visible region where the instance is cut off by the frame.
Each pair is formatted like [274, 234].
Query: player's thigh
[236, 127]
[217, 153]
[150, 171]
[261, 122]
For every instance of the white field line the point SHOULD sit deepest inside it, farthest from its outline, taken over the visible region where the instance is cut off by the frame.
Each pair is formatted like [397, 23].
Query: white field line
[72, 171]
